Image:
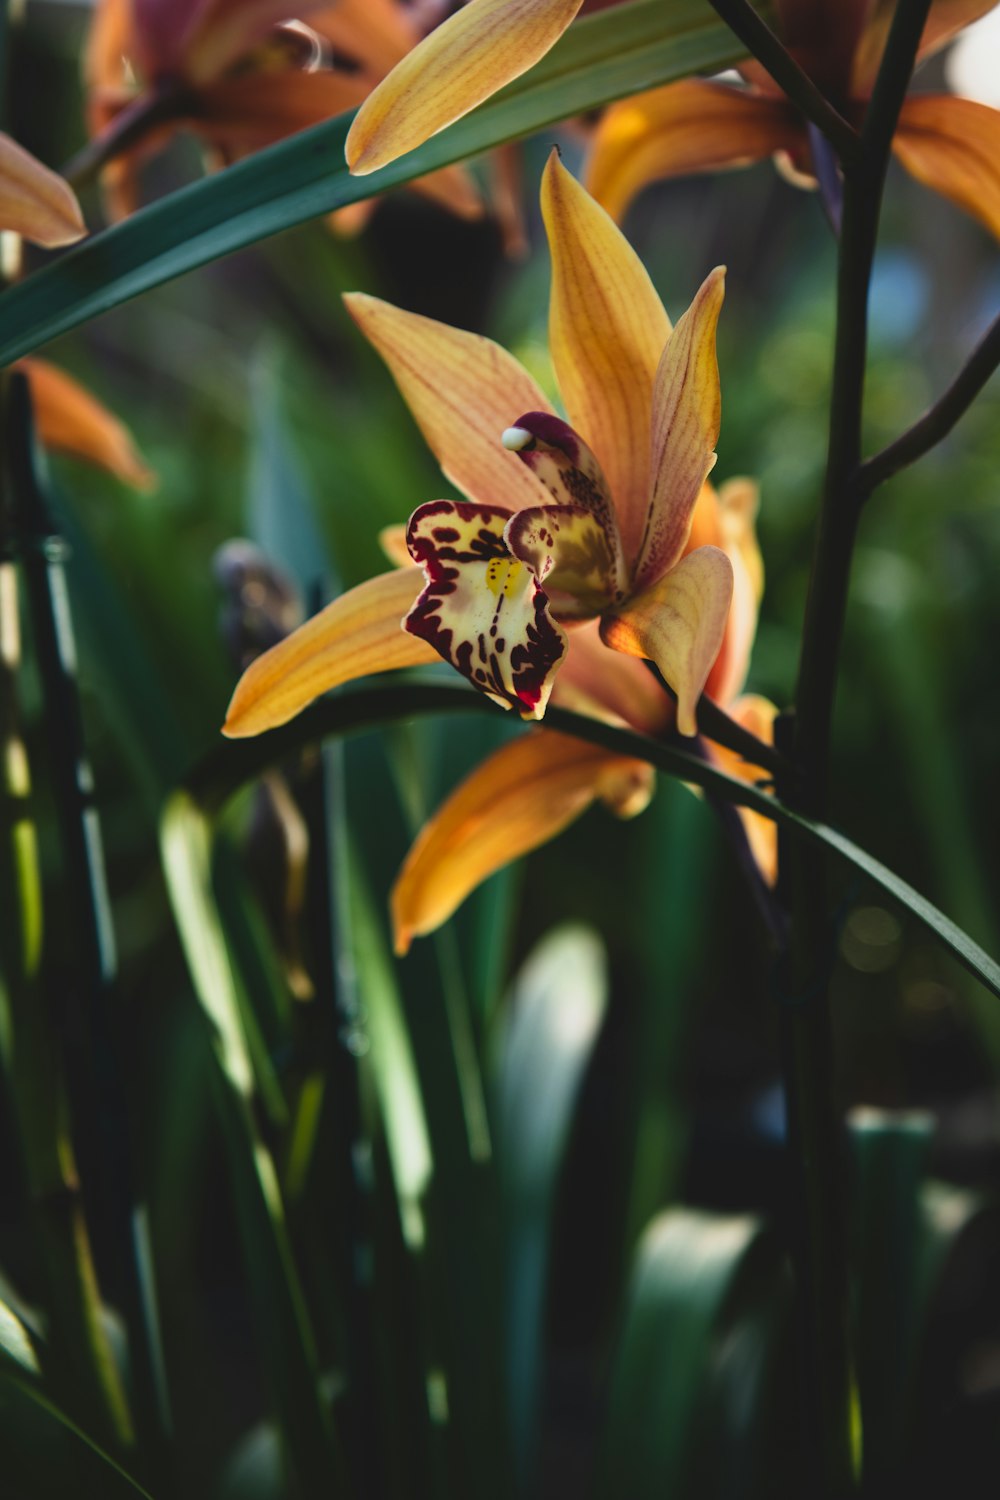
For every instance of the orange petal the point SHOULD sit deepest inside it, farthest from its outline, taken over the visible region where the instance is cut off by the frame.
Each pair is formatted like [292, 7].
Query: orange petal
[218, 33]
[518, 799]
[679, 623]
[70, 420]
[945, 19]
[250, 110]
[693, 126]
[756, 715]
[464, 391]
[358, 634]
[598, 681]
[953, 146]
[687, 409]
[36, 202]
[109, 42]
[462, 62]
[607, 330]
[737, 504]
[453, 188]
[392, 540]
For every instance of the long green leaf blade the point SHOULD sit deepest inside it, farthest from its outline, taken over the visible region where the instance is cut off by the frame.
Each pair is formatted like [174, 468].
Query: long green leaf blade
[603, 58]
[233, 763]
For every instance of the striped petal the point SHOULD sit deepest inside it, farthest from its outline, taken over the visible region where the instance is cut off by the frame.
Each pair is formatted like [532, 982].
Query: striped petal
[607, 331]
[463, 391]
[482, 610]
[692, 126]
[70, 420]
[953, 146]
[463, 61]
[358, 634]
[36, 202]
[518, 799]
[679, 623]
[687, 407]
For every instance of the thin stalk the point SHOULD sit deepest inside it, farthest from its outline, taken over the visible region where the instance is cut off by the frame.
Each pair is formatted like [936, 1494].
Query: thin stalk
[127, 130]
[936, 423]
[816, 1143]
[754, 32]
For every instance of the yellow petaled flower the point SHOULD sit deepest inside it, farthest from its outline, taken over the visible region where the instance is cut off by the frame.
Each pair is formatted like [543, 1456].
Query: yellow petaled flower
[951, 145]
[35, 202]
[240, 74]
[580, 551]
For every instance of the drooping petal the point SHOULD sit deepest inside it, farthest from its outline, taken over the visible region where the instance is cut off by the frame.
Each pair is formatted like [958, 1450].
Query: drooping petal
[358, 634]
[570, 472]
[70, 420]
[463, 61]
[953, 146]
[518, 799]
[568, 551]
[756, 715]
[482, 609]
[687, 407]
[679, 623]
[692, 126]
[603, 683]
[944, 20]
[607, 331]
[36, 202]
[463, 391]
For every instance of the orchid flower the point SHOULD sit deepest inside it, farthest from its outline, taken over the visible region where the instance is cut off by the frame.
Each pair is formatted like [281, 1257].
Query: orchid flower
[951, 145]
[36, 202]
[637, 558]
[240, 75]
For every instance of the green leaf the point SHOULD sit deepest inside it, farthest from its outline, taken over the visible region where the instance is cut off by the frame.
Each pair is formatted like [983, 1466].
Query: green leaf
[683, 1304]
[551, 1021]
[46, 1456]
[15, 1341]
[603, 58]
[230, 764]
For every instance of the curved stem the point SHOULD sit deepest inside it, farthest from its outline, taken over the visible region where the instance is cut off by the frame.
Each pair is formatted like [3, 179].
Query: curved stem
[936, 423]
[758, 38]
[128, 128]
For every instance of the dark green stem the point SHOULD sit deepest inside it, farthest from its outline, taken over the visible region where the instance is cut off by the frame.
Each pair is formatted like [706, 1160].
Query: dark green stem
[936, 423]
[754, 32]
[127, 130]
[815, 1127]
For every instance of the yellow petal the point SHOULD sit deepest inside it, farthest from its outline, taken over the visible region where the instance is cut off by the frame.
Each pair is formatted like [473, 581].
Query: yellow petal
[462, 62]
[679, 623]
[607, 330]
[70, 420]
[692, 126]
[464, 391]
[687, 408]
[34, 201]
[756, 715]
[518, 799]
[953, 146]
[945, 19]
[358, 634]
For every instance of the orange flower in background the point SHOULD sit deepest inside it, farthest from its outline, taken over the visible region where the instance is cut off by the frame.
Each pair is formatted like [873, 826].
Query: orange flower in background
[528, 597]
[35, 202]
[240, 75]
[951, 145]
[73, 422]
